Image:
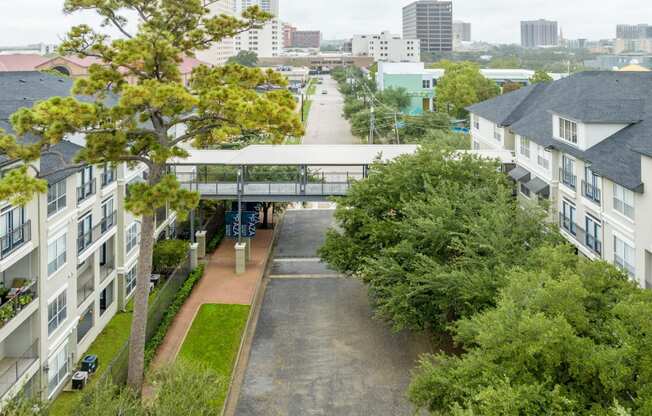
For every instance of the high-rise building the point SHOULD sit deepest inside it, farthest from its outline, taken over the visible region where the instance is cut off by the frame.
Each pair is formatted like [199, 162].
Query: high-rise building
[386, 48]
[539, 33]
[461, 31]
[266, 42]
[633, 38]
[633, 31]
[220, 52]
[306, 39]
[288, 32]
[270, 6]
[431, 22]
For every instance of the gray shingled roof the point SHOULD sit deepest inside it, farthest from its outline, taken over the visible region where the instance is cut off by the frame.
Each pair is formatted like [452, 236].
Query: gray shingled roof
[24, 89]
[597, 97]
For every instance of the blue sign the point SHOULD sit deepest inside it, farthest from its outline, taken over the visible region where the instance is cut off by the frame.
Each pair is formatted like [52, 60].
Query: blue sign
[245, 229]
[462, 130]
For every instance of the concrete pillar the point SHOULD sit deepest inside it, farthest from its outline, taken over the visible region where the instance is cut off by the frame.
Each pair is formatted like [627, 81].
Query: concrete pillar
[194, 260]
[247, 242]
[201, 241]
[240, 260]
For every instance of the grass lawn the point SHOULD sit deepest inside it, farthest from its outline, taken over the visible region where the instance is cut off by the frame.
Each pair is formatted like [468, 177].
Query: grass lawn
[105, 346]
[214, 339]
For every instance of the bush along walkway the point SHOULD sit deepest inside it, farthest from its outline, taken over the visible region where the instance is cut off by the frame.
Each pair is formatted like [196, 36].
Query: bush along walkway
[219, 285]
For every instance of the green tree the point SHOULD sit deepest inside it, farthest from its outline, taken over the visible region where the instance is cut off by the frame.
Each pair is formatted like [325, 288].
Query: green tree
[511, 86]
[540, 76]
[244, 58]
[142, 71]
[567, 338]
[397, 98]
[429, 234]
[461, 86]
[419, 126]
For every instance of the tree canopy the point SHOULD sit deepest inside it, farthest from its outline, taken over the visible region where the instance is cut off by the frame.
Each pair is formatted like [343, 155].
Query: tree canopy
[135, 101]
[568, 337]
[540, 76]
[511, 86]
[244, 58]
[461, 86]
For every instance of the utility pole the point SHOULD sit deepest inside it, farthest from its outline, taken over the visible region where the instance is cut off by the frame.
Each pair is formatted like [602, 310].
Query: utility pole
[372, 124]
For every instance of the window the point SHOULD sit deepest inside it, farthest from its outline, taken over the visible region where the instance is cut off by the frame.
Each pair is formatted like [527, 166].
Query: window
[498, 135]
[58, 370]
[57, 312]
[57, 254]
[106, 298]
[85, 233]
[624, 201]
[593, 237]
[426, 84]
[525, 147]
[56, 197]
[568, 215]
[108, 175]
[591, 186]
[12, 231]
[568, 130]
[567, 174]
[624, 257]
[542, 159]
[132, 236]
[130, 281]
[108, 218]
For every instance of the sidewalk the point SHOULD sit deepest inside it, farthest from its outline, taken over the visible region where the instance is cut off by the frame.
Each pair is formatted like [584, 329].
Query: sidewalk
[219, 285]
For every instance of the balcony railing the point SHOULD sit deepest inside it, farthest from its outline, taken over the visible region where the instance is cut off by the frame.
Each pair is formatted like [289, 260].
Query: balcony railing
[86, 190]
[17, 303]
[85, 288]
[106, 269]
[108, 177]
[567, 178]
[15, 238]
[591, 192]
[89, 237]
[17, 368]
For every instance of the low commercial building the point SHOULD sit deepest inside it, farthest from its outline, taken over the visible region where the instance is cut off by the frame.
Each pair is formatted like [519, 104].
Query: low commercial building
[318, 61]
[421, 82]
[67, 258]
[583, 145]
[296, 76]
[387, 47]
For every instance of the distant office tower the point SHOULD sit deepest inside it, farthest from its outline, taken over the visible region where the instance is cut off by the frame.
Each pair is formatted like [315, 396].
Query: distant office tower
[462, 31]
[270, 6]
[430, 21]
[539, 33]
[633, 38]
[306, 39]
[220, 52]
[633, 31]
[288, 32]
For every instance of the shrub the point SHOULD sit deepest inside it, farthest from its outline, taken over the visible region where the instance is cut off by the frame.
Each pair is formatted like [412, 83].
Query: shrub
[215, 241]
[168, 254]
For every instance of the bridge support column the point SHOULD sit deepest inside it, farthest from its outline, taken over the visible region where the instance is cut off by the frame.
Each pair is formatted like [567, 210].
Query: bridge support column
[240, 261]
[194, 260]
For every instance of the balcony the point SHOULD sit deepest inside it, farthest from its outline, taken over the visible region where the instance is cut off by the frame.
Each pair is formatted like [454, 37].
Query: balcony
[15, 239]
[591, 192]
[17, 299]
[86, 190]
[91, 236]
[12, 368]
[568, 179]
[106, 269]
[580, 236]
[108, 177]
[85, 285]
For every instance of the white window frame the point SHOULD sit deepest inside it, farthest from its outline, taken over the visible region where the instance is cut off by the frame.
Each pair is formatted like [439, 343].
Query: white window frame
[568, 130]
[57, 254]
[542, 160]
[525, 146]
[60, 312]
[57, 197]
[624, 256]
[130, 281]
[623, 201]
[58, 370]
[132, 236]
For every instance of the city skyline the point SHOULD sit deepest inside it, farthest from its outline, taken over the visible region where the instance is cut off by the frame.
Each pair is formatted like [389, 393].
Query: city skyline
[495, 21]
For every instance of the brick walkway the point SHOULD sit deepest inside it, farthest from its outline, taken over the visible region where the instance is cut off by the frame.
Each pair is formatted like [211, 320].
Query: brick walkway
[219, 285]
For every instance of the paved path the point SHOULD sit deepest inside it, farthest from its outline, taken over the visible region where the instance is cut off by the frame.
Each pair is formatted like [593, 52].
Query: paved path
[325, 122]
[219, 285]
[317, 350]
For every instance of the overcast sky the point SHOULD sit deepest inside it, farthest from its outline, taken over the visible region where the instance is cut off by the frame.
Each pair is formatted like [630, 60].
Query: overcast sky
[31, 21]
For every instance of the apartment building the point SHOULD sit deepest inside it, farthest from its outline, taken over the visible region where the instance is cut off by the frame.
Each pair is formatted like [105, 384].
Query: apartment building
[583, 144]
[386, 47]
[539, 33]
[220, 52]
[67, 258]
[266, 42]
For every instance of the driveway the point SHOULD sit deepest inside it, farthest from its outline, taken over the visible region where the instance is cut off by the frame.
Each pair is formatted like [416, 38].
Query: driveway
[317, 349]
[325, 122]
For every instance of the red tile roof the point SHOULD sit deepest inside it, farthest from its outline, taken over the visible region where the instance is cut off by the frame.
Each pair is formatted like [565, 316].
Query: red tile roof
[20, 62]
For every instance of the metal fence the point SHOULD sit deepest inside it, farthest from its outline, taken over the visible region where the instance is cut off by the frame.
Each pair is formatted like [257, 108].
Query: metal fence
[117, 369]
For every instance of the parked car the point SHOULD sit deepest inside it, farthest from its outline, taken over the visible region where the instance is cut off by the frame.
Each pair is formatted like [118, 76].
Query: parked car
[324, 92]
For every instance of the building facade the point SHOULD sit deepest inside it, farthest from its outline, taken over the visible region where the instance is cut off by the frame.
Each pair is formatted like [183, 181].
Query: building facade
[270, 6]
[431, 22]
[266, 42]
[539, 33]
[583, 146]
[306, 39]
[461, 31]
[67, 258]
[220, 52]
[288, 32]
[386, 47]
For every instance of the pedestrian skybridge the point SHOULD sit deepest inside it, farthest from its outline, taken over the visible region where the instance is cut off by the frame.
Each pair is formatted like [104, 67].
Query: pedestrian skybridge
[285, 173]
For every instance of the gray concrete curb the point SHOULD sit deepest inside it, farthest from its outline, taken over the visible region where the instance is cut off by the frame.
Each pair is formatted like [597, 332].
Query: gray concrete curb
[240, 365]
